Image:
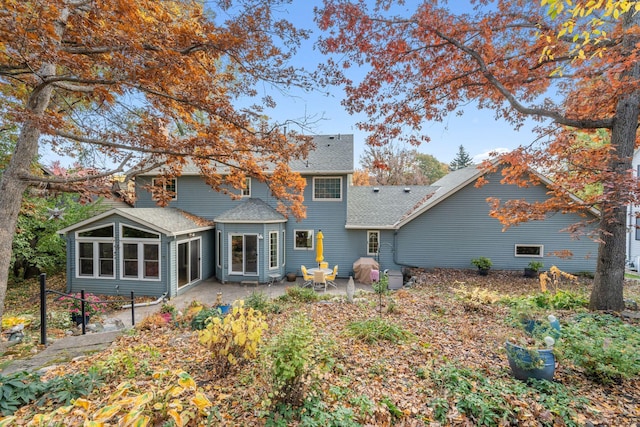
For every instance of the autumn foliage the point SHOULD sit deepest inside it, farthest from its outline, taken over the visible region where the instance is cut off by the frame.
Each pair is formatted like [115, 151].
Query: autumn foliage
[572, 66]
[126, 87]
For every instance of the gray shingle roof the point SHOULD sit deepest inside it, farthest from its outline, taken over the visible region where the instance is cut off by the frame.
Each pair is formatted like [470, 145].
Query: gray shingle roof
[383, 208]
[333, 155]
[168, 221]
[251, 211]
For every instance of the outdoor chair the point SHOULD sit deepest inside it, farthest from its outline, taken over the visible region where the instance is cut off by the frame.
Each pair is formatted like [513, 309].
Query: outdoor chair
[308, 278]
[324, 264]
[319, 279]
[332, 277]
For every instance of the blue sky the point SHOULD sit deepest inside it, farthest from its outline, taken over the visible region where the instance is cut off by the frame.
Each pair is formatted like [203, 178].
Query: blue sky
[476, 130]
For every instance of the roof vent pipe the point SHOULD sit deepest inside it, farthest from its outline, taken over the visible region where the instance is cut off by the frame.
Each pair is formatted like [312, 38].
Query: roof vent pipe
[407, 190]
[376, 189]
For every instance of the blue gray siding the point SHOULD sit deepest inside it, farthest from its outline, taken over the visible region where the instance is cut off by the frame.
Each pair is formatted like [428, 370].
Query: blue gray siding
[116, 286]
[328, 216]
[459, 229]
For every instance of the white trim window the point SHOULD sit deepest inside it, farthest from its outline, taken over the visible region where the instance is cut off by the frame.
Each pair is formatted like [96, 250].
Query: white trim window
[139, 254]
[170, 185]
[373, 242]
[94, 252]
[246, 189]
[273, 250]
[535, 251]
[303, 240]
[327, 188]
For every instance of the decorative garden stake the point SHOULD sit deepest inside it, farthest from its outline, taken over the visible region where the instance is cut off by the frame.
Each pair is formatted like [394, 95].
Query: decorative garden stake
[351, 289]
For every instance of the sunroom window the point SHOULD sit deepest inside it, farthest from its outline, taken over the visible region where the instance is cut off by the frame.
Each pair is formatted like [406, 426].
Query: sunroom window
[94, 252]
[140, 251]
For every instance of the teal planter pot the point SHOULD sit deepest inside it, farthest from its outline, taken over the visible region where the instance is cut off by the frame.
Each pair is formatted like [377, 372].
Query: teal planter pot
[224, 309]
[526, 363]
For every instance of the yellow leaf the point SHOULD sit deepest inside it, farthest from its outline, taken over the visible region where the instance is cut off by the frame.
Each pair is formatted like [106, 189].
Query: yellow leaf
[186, 381]
[141, 421]
[106, 412]
[201, 401]
[144, 398]
[83, 403]
[7, 421]
[176, 417]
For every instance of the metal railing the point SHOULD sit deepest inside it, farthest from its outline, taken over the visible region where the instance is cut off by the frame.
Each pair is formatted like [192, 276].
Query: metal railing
[43, 307]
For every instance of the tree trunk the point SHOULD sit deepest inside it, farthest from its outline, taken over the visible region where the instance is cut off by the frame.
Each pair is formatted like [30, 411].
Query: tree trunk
[607, 293]
[12, 187]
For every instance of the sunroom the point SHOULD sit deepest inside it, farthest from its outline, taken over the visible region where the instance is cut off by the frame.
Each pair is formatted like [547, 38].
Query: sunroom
[153, 252]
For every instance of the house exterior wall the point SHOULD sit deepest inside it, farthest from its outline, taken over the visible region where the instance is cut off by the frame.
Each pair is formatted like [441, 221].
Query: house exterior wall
[459, 229]
[328, 216]
[355, 247]
[264, 270]
[633, 234]
[118, 286]
[195, 197]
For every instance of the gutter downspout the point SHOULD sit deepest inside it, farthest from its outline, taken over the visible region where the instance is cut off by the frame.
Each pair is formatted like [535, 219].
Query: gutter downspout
[147, 304]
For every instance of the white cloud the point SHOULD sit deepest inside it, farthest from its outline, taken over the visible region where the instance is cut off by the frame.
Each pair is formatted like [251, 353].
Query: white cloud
[479, 158]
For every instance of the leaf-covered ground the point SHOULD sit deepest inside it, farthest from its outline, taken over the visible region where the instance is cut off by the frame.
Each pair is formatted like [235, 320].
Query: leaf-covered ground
[453, 368]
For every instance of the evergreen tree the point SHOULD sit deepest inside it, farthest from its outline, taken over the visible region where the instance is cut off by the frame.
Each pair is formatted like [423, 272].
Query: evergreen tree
[462, 160]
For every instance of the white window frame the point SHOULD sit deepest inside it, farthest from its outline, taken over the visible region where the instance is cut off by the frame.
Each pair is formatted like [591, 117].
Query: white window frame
[219, 249]
[140, 243]
[369, 234]
[188, 243]
[313, 240]
[95, 241]
[175, 187]
[330, 199]
[233, 272]
[518, 245]
[284, 248]
[273, 235]
[246, 191]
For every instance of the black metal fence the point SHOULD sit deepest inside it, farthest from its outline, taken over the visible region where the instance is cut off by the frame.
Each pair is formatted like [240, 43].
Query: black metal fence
[43, 307]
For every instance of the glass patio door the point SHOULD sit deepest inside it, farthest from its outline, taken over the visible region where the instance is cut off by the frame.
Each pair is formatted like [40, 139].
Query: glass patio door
[189, 260]
[244, 254]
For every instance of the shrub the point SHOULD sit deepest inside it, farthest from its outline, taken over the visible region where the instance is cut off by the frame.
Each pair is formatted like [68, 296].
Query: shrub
[64, 389]
[377, 329]
[73, 304]
[234, 338]
[18, 389]
[257, 300]
[486, 401]
[603, 346]
[170, 398]
[300, 294]
[289, 354]
[199, 321]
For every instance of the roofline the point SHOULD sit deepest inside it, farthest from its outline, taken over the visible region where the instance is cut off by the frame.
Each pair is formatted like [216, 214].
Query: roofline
[428, 206]
[88, 221]
[370, 227]
[253, 221]
[122, 212]
[481, 171]
[301, 172]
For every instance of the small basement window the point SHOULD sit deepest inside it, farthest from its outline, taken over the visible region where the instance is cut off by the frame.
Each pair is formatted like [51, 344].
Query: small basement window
[530, 251]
